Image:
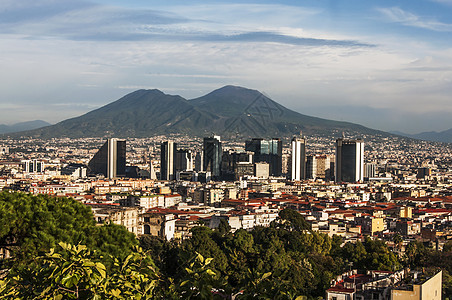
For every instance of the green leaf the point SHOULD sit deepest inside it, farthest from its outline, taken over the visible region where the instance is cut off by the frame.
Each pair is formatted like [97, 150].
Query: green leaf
[115, 293]
[184, 282]
[58, 297]
[266, 275]
[100, 267]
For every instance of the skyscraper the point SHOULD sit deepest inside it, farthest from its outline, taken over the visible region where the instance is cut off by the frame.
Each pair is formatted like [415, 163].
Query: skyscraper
[269, 151]
[110, 160]
[184, 160]
[212, 153]
[199, 161]
[168, 160]
[298, 158]
[349, 160]
[235, 164]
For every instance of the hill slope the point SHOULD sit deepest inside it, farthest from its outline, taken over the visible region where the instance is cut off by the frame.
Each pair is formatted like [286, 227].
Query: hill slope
[229, 111]
[22, 126]
[251, 113]
[434, 136]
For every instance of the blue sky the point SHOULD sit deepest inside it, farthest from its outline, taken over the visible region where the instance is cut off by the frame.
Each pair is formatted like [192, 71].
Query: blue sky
[383, 64]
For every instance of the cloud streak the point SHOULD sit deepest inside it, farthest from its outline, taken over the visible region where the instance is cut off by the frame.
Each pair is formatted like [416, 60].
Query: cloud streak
[88, 22]
[398, 15]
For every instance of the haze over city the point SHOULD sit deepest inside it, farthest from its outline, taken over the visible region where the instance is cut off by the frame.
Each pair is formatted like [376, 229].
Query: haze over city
[385, 65]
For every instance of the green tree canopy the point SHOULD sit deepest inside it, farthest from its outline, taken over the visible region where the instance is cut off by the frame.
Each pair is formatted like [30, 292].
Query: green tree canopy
[31, 225]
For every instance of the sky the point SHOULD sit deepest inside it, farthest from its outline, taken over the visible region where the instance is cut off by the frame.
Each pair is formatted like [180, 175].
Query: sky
[383, 64]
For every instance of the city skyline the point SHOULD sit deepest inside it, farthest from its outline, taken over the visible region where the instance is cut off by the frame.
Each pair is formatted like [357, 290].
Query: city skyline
[384, 65]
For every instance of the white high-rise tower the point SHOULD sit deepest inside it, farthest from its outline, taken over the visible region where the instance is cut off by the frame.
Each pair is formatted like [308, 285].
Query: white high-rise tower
[298, 158]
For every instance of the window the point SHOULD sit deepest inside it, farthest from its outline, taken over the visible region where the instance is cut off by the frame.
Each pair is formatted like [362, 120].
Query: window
[146, 219]
[334, 298]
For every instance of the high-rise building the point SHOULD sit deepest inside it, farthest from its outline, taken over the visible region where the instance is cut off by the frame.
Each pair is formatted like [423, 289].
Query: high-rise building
[298, 158]
[269, 151]
[349, 160]
[168, 160]
[110, 160]
[235, 164]
[370, 170]
[199, 161]
[311, 167]
[318, 166]
[212, 153]
[184, 160]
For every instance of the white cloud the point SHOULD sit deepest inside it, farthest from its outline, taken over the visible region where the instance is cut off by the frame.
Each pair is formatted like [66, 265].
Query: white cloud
[85, 55]
[398, 15]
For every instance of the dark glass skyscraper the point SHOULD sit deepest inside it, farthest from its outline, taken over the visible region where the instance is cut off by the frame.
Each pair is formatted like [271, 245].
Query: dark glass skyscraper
[269, 151]
[110, 160]
[168, 160]
[212, 153]
[184, 160]
[349, 160]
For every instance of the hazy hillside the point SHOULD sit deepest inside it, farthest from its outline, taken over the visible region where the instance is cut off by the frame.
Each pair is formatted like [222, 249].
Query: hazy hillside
[22, 126]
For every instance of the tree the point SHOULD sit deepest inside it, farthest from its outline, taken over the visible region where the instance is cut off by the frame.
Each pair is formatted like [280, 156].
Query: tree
[294, 219]
[75, 272]
[31, 225]
[200, 281]
[224, 227]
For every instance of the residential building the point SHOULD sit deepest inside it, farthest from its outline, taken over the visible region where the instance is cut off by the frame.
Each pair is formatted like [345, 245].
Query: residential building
[420, 289]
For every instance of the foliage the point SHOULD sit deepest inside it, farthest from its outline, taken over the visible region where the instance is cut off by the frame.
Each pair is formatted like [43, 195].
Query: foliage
[284, 261]
[294, 219]
[75, 272]
[418, 255]
[31, 225]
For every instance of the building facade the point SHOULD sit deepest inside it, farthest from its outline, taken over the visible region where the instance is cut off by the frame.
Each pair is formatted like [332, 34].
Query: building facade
[212, 154]
[110, 160]
[269, 151]
[298, 159]
[349, 160]
[168, 161]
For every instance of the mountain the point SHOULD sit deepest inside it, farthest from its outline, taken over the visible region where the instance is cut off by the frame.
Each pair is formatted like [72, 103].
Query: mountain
[229, 111]
[442, 136]
[22, 126]
[252, 113]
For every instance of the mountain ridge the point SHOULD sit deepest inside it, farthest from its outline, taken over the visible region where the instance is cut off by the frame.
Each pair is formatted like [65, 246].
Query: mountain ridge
[229, 111]
[444, 136]
[22, 126]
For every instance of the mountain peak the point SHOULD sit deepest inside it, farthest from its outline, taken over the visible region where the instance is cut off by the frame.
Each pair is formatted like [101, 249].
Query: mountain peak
[145, 92]
[234, 91]
[230, 110]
